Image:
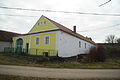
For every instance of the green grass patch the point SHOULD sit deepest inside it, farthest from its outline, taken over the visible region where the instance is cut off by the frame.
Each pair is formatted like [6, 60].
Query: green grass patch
[112, 63]
[11, 77]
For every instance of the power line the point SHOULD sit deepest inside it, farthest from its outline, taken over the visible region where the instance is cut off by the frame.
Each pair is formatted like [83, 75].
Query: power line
[104, 3]
[100, 28]
[78, 31]
[18, 15]
[60, 11]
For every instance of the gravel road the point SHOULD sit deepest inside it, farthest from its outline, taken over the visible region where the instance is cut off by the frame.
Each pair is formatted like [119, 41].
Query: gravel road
[59, 73]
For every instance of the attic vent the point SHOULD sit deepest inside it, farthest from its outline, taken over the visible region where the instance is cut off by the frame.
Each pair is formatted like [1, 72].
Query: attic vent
[42, 23]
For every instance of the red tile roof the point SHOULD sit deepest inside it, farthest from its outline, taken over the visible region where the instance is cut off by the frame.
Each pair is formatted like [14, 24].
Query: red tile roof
[7, 36]
[65, 29]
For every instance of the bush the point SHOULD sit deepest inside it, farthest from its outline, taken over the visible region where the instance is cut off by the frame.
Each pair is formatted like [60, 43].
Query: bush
[101, 53]
[96, 54]
[113, 51]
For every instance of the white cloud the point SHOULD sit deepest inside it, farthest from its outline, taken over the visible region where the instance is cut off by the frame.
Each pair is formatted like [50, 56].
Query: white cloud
[83, 22]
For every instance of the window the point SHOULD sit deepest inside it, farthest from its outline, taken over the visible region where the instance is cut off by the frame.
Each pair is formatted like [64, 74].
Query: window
[79, 43]
[37, 40]
[47, 40]
[85, 45]
[40, 24]
[89, 46]
[44, 22]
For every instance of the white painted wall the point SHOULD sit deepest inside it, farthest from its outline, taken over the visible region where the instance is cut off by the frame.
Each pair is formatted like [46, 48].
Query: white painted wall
[68, 45]
[4, 44]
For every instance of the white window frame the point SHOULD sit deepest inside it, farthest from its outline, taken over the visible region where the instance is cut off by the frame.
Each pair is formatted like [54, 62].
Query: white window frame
[37, 43]
[45, 40]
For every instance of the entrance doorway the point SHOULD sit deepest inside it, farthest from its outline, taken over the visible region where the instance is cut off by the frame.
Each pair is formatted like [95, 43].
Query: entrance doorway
[27, 47]
[19, 45]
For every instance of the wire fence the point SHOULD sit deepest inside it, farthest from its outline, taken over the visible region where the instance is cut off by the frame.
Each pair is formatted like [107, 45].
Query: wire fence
[31, 51]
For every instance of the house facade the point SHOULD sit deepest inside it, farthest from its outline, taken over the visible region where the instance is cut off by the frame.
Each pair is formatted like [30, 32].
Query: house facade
[52, 39]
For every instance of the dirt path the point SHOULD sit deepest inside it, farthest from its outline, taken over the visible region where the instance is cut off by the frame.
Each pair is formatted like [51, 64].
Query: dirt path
[59, 73]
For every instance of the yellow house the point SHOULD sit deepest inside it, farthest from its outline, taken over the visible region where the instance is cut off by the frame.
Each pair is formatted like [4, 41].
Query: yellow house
[50, 38]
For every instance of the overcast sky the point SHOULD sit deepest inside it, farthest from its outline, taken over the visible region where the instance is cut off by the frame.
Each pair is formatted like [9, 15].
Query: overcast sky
[95, 26]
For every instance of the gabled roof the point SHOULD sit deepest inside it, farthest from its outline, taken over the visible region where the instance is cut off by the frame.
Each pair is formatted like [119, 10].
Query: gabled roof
[65, 29]
[7, 36]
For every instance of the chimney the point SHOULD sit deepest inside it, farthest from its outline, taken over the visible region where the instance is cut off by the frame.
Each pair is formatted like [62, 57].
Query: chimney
[74, 29]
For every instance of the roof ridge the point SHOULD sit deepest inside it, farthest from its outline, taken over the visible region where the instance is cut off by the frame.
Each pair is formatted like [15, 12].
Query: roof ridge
[9, 32]
[7, 35]
[58, 23]
[63, 28]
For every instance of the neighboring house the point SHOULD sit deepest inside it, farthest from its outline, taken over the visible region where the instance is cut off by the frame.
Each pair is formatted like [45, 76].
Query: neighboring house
[51, 39]
[6, 39]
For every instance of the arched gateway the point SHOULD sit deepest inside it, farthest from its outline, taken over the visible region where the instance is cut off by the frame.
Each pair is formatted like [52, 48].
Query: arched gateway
[19, 45]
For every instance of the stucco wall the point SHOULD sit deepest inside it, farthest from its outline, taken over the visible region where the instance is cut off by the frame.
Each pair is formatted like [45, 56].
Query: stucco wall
[31, 39]
[4, 44]
[46, 25]
[68, 45]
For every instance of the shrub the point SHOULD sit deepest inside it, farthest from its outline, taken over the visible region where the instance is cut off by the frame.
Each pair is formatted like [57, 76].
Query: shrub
[96, 54]
[101, 53]
[91, 57]
[113, 51]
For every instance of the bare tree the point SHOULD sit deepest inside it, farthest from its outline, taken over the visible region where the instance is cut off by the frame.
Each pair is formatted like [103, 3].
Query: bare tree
[111, 39]
[118, 40]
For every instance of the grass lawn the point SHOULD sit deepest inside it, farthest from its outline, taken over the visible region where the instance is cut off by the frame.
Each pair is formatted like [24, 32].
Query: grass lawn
[108, 64]
[11, 77]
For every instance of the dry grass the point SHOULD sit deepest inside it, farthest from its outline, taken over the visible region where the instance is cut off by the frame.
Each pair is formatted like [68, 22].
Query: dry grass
[108, 64]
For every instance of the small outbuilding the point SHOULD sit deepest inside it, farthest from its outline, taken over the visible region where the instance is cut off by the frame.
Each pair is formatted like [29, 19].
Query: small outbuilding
[6, 39]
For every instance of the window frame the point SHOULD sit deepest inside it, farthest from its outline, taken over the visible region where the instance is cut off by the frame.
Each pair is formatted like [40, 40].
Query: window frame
[37, 43]
[48, 40]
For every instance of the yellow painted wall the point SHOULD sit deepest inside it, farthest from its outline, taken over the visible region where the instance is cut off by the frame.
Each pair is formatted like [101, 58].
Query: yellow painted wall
[43, 47]
[39, 49]
[44, 26]
[51, 45]
[25, 40]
